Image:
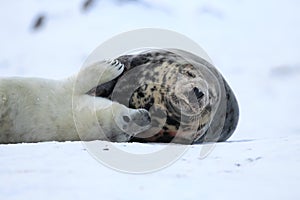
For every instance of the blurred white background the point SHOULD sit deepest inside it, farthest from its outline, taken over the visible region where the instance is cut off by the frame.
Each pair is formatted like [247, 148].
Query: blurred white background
[255, 44]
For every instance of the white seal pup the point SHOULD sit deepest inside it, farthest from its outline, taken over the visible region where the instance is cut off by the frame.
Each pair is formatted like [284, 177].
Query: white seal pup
[35, 109]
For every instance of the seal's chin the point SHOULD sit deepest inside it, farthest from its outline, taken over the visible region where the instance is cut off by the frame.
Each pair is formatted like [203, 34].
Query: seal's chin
[184, 108]
[192, 110]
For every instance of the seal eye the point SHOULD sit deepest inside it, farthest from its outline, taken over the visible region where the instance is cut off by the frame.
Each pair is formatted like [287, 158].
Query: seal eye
[199, 94]
[126, 118]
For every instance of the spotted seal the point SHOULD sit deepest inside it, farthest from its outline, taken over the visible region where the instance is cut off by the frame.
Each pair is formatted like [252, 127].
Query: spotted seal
[189, 100]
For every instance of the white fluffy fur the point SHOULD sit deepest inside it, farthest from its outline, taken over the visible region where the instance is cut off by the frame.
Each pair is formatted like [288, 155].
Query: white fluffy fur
[33, 109]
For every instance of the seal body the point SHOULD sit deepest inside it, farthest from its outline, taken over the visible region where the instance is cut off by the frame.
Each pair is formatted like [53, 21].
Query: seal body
[189, 100]
[36, 110]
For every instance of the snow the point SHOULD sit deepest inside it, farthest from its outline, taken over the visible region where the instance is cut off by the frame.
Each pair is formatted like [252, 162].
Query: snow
[256, 46]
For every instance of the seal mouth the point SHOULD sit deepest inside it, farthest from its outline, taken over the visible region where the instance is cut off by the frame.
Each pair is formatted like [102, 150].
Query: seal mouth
[189, 96]
[192, 126]
[192, 110]
[191, 107]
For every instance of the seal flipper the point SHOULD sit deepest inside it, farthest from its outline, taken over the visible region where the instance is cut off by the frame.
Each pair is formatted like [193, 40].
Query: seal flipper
[105, 90]
[96, 74]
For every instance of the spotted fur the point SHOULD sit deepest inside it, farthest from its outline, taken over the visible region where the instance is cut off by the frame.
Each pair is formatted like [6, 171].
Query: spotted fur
[189, 100]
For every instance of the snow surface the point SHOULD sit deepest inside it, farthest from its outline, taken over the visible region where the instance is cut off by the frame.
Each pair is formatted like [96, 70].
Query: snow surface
[256, 46]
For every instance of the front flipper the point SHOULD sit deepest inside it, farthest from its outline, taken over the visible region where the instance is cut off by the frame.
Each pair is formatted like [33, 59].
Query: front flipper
[96, 74]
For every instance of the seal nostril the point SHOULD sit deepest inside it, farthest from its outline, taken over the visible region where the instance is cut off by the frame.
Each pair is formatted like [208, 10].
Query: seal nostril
[147, 119]
[199, 94]
[126, 119]
[124, 127]
[142, 118]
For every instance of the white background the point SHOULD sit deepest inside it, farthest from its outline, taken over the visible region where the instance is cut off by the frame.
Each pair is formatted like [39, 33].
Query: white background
[256, 46]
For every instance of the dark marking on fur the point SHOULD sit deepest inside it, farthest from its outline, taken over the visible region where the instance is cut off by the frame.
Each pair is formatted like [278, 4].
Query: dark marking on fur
[162, 67]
